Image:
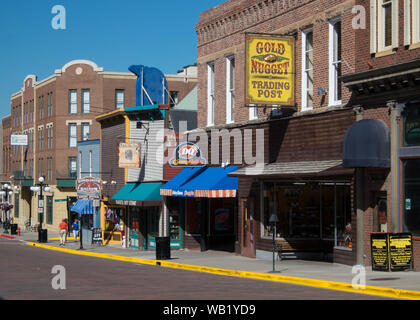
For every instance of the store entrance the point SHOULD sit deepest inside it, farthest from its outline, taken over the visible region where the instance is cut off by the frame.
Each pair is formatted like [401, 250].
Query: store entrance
[247, 218]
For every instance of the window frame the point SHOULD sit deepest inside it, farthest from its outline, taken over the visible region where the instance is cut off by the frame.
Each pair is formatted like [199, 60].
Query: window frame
[230, 88]
[85, 105]
[334, 41]
[305, 70]
[70, 126]
[72, 104]
[210, 94]
[116, 98]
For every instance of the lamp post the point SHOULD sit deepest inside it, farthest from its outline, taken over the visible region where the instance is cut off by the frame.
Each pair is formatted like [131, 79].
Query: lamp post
[6, 190]
[39, 187]
[273, 220]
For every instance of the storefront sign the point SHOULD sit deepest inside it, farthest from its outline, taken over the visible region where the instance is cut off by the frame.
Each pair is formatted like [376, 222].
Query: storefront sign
[187, 155]
[270, 70]
[400, 251]
[391, 252]
[96, 236]
[129, 155]
[88, 188]
[19, 139]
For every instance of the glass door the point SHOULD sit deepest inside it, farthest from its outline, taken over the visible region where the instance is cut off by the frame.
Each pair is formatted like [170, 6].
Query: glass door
[134, 225]
[153, 225]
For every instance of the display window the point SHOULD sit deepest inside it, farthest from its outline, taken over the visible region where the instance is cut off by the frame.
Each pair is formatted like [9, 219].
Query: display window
[309, 210]
[411, 120]
[193, 216]
[175, 207]
[222, 216]
[411, 202]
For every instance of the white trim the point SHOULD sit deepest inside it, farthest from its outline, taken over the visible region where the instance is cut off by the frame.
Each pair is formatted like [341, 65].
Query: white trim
[332, 72]
[407, 22]
[373, 24]
[304, 103]
[229, 107]
[381, 27]
[253, 112]
[415, 10]
[81, 61]
[210, 94]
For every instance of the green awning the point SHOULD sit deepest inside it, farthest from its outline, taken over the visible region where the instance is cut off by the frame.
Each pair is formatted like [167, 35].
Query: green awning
[66, 183]
[139, 192]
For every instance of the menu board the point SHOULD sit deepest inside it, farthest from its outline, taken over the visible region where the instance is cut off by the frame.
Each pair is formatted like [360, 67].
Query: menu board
[96, 236]
[379, 248]
[400, 251]
[391, 251]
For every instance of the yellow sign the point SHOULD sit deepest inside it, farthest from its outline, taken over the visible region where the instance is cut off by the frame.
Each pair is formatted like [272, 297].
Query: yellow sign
[270, 70]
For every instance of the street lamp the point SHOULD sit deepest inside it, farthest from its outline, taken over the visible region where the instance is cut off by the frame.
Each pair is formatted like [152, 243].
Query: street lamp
[39, 187]
[273, 220]
[6, 191]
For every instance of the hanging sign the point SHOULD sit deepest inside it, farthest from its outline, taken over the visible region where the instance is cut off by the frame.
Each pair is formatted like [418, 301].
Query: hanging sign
[129, 155]
[270, 70]
[187, 155]
[88, 188]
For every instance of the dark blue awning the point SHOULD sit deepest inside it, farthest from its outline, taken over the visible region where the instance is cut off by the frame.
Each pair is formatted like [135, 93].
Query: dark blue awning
[367, 144]
[206, 182]
[83, 207]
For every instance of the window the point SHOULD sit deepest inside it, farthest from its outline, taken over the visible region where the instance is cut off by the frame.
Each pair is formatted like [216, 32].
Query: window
[72, 167]
[411, 204]
[253, 113]
[80, 164]
[40, 167]
[49, 169]
[85, 101]
[383, 25]
[411, 22]
[230, 88]
[335, 62]
[41, 139]
[210, 94]
[49, 209]
[49, 137]
[85, 131]
[411, 124]
[72, 135]
[307, 70]
[173, 98]
[119, 98]
[50, 104]
[72, 101]
[41, 108]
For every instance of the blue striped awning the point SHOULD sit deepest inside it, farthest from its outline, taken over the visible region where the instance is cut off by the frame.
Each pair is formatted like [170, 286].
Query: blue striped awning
[83, 207]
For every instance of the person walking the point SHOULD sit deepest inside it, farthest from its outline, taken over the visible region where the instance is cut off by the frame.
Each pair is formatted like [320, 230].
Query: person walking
[75, 227]
[63, 231]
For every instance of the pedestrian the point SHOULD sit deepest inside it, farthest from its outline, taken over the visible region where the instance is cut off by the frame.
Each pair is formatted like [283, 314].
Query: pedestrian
[75, 227]
[63, 231]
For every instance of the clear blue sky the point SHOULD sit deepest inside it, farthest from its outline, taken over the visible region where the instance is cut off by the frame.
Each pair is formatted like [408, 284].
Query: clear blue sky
[113, 34]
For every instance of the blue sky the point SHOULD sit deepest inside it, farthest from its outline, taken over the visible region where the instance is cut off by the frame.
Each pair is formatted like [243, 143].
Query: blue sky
[114, 34]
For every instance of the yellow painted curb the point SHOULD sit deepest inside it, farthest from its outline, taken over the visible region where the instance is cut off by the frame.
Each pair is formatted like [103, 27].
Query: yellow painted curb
[334, 285]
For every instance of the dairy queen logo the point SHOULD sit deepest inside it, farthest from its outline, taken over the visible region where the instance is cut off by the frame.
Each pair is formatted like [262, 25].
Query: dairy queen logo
[187, 155]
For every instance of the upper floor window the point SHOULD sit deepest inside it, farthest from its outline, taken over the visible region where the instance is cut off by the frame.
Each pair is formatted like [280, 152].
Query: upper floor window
[72, 135]
[383, 25]
[334, 62]
[411, 22]
[85, 101]
[119, 98]
[173, 98]
[72, 101]
[230, 88]
[50, 104]
[307, 70]
[85, 131]
[210, 94]
[41, 108]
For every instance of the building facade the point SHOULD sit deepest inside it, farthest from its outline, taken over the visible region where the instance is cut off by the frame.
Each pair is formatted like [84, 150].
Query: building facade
[303, 182]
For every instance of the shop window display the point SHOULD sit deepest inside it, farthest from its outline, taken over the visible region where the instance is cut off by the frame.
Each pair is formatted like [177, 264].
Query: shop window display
[411, 202]
[308, 210]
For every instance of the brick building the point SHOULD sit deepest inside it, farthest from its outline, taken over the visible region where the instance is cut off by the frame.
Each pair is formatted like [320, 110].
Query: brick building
[55, 113]
[303, 181]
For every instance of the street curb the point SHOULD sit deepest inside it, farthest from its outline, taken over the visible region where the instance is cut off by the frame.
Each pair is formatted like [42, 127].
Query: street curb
[334, 285]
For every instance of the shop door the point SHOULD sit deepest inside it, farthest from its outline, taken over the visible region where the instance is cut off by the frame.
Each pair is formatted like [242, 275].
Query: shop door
[247, 225]
[134, 229]
[153, 226]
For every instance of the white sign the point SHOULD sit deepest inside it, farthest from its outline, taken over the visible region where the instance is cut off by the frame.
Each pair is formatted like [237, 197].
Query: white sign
[19, 140]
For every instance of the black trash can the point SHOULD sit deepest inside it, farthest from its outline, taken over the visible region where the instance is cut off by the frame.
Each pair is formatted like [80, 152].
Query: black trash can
[13, 228]
[163, 248]
[42, 235]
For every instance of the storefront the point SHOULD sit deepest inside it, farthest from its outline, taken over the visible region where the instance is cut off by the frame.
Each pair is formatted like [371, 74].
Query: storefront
[88, 216]
[312, 203]
[113, 221]
[143, 205]
[207, 198]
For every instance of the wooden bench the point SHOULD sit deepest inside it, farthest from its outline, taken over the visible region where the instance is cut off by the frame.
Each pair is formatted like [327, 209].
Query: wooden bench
[285, 249]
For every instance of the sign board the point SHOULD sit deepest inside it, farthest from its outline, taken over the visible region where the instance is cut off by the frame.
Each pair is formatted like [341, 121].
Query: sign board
[187, 155]
[129, 155]
[96, 236]
[88, 188]
[19, 139]
[391, 251]
[270, 70]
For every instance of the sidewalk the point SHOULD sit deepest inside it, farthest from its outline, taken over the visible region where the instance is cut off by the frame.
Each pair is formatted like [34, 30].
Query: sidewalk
[314, 273]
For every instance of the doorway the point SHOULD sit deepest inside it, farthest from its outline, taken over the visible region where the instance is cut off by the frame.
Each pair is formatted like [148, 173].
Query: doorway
[247, 226]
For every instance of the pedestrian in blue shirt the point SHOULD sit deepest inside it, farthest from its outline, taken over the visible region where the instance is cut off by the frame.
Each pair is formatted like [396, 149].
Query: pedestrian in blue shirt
[75, 227]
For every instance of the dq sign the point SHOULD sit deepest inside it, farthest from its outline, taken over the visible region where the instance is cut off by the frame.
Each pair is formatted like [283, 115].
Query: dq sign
[187, 155]
[270, 70]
